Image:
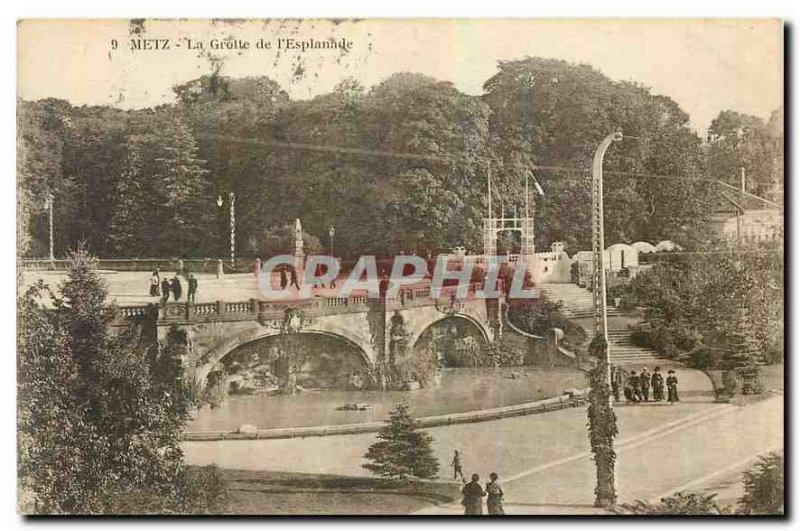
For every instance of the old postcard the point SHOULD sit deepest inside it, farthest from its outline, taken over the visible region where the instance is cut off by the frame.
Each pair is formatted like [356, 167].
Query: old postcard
[403, 266]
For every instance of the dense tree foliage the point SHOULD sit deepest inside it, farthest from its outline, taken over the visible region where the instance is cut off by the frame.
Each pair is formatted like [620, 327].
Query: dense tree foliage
[721, 310]
[399, 167]
[739, 141]
[100, 414]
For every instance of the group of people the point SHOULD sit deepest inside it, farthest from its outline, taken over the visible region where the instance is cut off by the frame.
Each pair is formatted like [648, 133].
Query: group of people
[636, 387]
[164, 287]
[473, 493]
[288, 277]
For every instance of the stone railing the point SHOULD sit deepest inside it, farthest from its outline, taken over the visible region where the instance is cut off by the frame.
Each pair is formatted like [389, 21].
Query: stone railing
[254, 309]
[565, 401]
[197, 265]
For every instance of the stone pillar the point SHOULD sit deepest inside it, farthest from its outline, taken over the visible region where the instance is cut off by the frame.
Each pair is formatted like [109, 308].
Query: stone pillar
[220, 269]
[299, 255]
[257, 267]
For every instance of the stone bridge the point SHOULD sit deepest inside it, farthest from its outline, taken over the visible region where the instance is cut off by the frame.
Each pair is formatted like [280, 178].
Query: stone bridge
[378, 328]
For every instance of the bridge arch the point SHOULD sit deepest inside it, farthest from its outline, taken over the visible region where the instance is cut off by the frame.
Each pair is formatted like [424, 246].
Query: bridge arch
[218, 354]
[477, 323]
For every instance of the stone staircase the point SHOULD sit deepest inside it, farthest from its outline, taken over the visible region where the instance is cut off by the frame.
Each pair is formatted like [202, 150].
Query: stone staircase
[624, 352]
[577, 303]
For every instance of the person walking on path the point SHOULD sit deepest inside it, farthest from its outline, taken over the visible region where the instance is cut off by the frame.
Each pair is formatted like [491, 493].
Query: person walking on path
[494, 496]
[644, 381]
[177, 290]
[155, 282]
[657, 382]
[672, 387]
[284, 279]
[165, 290]
[473, 496]
[192, 288]
[456, 463]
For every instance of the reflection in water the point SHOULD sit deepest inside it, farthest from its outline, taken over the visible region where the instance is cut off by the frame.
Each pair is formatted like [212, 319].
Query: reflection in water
[462, 389]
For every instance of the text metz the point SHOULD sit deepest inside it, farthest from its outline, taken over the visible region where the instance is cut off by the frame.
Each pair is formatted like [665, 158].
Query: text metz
[150, 44]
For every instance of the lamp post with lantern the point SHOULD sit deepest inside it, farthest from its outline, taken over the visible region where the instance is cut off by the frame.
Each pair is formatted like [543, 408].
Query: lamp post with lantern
[232, 202]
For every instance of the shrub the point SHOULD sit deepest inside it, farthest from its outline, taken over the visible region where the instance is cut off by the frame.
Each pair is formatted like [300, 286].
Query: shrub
[642, 338]
[763, 486]
[680, 503]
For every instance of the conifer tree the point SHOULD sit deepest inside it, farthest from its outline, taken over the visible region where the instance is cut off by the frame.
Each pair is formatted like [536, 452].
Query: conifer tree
[127, 231]
[403, 451]
[100, 413]
[186, 201]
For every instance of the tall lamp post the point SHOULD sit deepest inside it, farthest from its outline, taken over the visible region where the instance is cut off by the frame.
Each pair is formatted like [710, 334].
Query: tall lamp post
[232, 200]
[605, 493]
[48, 203]
[331, 233]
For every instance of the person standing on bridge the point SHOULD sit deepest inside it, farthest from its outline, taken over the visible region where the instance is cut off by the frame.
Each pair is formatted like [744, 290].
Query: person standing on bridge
[165, 289]
[284, 279]
[473, 496]
[672, 387]
[293, 275]
[155, 281]
[177, 290]
[494, 496]
[657, 382]
[192, 288]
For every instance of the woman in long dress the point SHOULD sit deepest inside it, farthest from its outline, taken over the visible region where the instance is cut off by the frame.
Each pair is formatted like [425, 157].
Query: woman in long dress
[672, 387]
[473, 496]
[494, 496]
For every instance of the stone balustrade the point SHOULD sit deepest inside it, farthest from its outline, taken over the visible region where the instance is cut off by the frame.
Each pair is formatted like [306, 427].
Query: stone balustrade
[254, 309]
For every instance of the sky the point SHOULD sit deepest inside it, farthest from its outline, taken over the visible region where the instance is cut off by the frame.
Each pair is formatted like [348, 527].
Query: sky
[705, 65]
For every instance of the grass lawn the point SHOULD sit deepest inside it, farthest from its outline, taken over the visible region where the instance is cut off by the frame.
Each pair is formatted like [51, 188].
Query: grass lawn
[280, 493]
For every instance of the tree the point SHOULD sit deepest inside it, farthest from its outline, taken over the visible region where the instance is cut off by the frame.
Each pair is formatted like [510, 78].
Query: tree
[552, 113]
[728, 301]
[100, 413]
[403, 450]
[185, 198]
[764, 486]
[128, 224]
[739, 141]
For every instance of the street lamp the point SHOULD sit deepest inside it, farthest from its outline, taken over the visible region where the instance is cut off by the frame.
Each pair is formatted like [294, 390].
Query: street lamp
[48, 204]
[331, 233]
[232, 197]
[605, 492]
